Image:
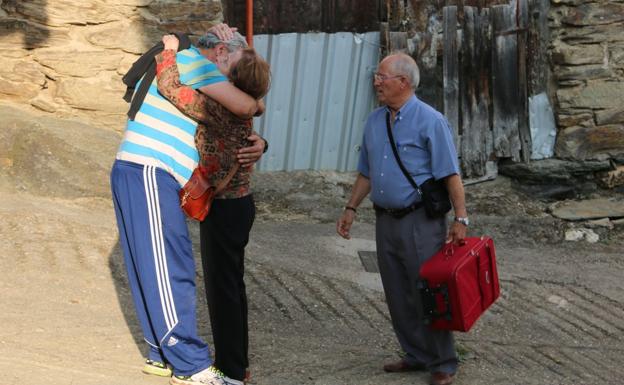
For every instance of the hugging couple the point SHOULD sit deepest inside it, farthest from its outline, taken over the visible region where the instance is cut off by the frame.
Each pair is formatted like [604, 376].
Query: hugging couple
[191, 105]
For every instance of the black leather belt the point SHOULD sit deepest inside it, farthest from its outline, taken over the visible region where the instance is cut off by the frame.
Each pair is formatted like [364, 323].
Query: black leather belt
[398, 213]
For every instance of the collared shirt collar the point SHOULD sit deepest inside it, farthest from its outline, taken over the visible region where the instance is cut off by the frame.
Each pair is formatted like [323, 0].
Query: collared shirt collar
[406, 107]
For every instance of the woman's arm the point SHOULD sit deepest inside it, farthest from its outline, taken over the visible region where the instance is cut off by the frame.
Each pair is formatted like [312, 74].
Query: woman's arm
[233, 99]
[226, 94]
[192, 103]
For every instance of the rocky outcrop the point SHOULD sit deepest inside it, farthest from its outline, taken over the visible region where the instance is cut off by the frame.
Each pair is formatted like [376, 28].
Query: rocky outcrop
[600, 142]
[47, 156]
[555, 179]
[66, 57]
[588, 65]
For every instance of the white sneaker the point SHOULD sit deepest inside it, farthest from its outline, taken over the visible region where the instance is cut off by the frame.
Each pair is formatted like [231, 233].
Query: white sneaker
[210, 376]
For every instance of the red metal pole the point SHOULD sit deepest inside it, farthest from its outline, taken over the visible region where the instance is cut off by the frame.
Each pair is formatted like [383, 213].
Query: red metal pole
[250, 22]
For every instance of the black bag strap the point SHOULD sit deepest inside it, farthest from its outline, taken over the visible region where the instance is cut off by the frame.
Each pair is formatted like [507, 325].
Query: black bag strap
[396, 154]
[145, 67]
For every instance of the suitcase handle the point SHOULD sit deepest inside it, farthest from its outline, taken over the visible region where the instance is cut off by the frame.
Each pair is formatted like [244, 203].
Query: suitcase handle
[450, 249]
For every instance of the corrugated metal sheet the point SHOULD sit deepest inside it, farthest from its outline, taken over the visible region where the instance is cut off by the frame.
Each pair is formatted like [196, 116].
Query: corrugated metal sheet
[320, 97]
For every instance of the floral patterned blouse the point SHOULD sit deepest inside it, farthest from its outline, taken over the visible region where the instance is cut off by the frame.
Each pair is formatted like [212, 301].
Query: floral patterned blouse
[219, 134]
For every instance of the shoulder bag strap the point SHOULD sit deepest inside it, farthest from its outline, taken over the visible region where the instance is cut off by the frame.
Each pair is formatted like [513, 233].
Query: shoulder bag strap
[225, 181]
[396, 154]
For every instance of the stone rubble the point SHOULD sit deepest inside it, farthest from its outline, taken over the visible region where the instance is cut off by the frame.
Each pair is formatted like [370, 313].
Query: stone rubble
[575, 235]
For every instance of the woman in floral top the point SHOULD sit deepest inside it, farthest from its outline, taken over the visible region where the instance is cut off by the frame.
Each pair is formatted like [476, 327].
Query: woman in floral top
[225, 231]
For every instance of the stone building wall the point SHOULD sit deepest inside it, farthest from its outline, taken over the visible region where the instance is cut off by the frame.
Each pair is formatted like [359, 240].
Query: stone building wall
[587, 58]
[67, 57]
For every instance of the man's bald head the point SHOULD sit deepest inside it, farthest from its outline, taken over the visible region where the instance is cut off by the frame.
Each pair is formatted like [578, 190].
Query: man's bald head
[404, 65]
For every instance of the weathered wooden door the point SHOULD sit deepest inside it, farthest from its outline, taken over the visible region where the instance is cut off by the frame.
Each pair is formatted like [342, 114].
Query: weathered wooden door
[485, 84]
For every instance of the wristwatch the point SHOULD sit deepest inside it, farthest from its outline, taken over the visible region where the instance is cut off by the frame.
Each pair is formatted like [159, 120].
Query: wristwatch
[266, 145]
[463, 220]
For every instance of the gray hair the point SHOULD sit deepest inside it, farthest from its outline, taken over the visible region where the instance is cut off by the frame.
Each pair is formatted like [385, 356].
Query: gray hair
[406, 65]
[210, 40]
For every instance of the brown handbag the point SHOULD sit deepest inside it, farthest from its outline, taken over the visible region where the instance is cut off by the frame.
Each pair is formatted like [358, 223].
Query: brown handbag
[197, 194]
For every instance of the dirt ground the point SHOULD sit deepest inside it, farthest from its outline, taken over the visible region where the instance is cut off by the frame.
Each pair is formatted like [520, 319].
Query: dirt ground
[316, 316]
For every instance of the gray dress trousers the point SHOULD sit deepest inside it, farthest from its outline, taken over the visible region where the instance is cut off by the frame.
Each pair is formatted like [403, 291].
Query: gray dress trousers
[403, 245]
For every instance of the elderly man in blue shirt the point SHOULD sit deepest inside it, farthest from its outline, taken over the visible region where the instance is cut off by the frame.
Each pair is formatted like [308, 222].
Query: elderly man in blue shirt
[406, 237]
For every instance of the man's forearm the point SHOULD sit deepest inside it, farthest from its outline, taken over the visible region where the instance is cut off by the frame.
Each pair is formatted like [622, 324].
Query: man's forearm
[455, 189]
[360, 190]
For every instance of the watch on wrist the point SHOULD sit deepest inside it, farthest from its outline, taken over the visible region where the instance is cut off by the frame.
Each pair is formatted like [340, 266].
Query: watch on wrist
[266, 145]
[350, 208]
[463, 220]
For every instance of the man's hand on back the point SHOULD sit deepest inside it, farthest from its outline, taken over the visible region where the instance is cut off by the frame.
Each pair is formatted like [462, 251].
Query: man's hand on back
[248, 156]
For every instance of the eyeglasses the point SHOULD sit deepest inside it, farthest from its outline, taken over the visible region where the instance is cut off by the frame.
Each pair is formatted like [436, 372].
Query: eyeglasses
[382, 78]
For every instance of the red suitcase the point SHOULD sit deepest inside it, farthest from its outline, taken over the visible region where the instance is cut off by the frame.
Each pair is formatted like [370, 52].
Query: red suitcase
[460, 283]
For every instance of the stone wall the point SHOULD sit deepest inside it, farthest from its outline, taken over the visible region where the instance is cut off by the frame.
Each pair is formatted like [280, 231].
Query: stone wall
[588, 67]
[67, 57]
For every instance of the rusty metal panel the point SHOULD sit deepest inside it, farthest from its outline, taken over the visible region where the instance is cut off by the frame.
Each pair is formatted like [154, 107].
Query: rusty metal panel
[320, 97]
[286, 16]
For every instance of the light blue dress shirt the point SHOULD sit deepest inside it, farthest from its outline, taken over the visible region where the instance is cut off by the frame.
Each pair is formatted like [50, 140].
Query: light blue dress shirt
[425, 145]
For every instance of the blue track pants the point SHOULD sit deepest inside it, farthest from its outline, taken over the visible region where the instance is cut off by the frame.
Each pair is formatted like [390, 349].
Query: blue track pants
[161, 269]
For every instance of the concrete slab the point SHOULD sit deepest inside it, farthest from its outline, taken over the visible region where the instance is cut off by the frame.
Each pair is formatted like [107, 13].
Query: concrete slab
[588, 209]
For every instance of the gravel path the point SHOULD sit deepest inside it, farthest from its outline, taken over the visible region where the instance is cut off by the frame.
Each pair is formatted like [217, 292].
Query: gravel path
[316, 316]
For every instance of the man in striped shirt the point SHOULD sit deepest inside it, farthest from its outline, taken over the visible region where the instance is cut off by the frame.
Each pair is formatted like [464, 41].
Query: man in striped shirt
[156, 157]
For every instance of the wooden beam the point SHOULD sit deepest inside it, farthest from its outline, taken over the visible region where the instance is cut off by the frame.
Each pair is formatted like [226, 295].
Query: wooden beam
[538, 39]
[505, 84]
[398, 42]
[522, 17]
[451, 72]
[384, 38]
[485, 85]
[475, 93]
[396, 13]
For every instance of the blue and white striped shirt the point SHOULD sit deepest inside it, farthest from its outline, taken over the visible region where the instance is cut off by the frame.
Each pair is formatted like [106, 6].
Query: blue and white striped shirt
[161, 135]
